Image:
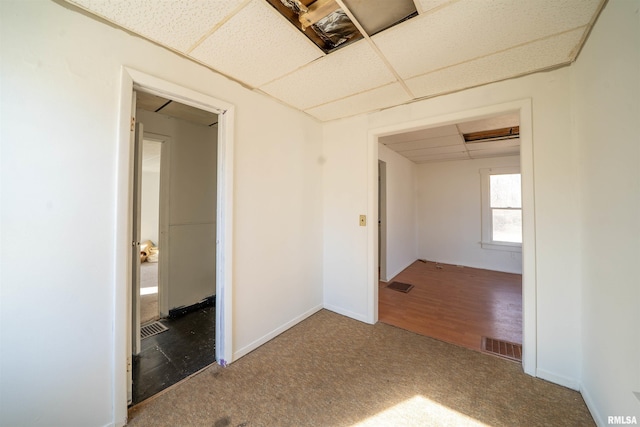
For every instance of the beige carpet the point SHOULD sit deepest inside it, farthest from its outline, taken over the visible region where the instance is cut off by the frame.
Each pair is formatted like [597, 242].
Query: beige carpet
[333, 371]
[148, 303]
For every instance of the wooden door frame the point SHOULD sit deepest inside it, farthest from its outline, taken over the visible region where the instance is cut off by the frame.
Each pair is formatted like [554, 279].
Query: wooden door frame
[133, 79]
[529, 280]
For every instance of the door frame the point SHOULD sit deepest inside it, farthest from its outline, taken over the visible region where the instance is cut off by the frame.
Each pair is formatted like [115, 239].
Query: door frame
[382, 220]
[529, 280]
[133, 79]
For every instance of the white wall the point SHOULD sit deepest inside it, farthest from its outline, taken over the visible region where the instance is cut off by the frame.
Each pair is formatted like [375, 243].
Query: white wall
[150, 206]
[400, 211]
[345, 198]
[606, 104]
[449, 216]
[58, 180]
[192, 206]
[557, 239]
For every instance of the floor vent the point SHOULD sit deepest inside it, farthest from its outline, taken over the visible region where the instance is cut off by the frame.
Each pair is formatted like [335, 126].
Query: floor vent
[151, 329]
[505, 349]
[400, 287]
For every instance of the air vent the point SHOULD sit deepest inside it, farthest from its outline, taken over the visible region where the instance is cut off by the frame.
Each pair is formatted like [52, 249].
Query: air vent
[152, 329]
[492, 135]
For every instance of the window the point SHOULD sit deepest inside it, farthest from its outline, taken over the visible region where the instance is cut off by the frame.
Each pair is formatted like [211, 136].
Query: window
[501, 209]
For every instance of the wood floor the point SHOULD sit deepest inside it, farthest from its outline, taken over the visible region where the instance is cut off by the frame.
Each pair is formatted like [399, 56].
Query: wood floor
[455, 304]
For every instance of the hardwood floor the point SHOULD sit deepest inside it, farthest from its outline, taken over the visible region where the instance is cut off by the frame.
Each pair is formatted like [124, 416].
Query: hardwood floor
[455, 304]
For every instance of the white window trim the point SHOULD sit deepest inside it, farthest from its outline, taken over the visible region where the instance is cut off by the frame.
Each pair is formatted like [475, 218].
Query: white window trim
[487, 239]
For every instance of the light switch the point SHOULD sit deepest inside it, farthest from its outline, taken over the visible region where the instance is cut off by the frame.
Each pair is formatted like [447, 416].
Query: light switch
[363, 220]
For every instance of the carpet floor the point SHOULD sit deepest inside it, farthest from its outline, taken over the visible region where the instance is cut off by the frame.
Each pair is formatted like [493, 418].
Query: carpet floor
[330, 370]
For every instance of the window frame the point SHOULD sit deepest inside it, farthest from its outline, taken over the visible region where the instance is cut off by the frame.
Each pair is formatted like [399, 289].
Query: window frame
[487, 241]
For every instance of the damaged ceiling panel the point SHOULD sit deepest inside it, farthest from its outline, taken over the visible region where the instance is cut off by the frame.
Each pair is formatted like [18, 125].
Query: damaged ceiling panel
[378, 15]
[322, 21]
[330, 27]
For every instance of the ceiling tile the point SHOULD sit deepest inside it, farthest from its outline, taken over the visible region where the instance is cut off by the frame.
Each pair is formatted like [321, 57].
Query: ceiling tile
[427, 5]
[441, 157]
[256, 46]
[420, 134]
[190, 114]
[514, 62]
[377, 15]
[149, 102]
[490, 123]
[441, 141]
[375, 99]
[495, 152]
[458, 148]
[470, 29]
[175, 23]
[349, 71]
[489, 145]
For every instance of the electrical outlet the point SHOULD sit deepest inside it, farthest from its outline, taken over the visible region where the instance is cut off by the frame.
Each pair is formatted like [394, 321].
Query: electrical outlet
[363, 220]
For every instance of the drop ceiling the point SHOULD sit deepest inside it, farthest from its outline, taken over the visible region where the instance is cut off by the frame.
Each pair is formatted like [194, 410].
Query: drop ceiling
[157, 104]
[446, 143]
[448, 46]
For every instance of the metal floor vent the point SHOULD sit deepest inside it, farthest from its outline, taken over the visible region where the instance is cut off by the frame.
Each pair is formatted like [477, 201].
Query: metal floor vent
[151, 329]
[400, 287]
[505, 349]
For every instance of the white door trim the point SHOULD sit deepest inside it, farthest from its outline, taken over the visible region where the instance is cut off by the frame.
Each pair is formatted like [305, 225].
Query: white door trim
[132, 79]
[529, 280]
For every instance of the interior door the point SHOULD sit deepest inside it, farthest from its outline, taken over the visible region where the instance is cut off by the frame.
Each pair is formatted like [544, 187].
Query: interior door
[135, 253]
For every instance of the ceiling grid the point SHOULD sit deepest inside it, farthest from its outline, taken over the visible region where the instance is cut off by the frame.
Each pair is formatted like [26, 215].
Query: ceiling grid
[445, 46]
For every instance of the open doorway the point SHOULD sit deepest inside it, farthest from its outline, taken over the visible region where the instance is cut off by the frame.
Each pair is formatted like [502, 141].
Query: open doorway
[127, 254]
[150, 229]
[405, 139]
[175, 229]
[466, 288]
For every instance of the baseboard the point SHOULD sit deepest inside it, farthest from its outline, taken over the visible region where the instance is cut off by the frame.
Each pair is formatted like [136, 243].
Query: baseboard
[479, 267]
[181, 311]
[271, 335]
[347, 313]
[558, 379]
[391, 276]
[588, 400]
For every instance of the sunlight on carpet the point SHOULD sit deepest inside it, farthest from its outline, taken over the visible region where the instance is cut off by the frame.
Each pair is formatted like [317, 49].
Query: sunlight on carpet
[419, 411]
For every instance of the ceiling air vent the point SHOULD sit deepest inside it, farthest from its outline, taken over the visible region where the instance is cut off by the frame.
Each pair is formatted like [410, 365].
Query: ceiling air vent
[492, 135]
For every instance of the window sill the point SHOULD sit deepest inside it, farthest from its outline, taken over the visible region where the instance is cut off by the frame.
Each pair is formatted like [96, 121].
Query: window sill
[502, 246]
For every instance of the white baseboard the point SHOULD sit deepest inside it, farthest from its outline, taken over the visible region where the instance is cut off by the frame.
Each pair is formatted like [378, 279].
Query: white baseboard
[271, 335]
[558, 379]
[395, 273]
[597, 417]
[347, 313]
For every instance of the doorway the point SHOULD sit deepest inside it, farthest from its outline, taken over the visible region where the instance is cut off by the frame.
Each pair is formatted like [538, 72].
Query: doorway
[150, 229]
[136, 80]
[177, 199]
[523, 109]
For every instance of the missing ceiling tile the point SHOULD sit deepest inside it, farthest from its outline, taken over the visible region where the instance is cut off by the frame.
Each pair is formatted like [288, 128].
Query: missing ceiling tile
[322, 21]
[492, 135]
[378, 15]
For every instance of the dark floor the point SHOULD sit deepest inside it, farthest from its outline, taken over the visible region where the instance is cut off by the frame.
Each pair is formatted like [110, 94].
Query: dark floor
[171, 356]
